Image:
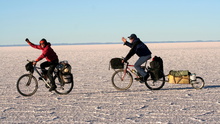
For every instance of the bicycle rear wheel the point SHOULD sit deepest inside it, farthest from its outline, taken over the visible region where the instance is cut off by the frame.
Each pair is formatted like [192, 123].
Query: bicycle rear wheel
[198, 83]
[27, 85]
[155, 84]
[122, 81]
[63, 88]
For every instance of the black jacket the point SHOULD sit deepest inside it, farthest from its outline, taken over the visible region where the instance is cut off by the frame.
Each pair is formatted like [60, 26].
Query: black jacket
[137, 47]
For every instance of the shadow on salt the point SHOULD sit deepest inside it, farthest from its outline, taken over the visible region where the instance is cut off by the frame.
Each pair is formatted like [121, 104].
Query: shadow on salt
[185, 88]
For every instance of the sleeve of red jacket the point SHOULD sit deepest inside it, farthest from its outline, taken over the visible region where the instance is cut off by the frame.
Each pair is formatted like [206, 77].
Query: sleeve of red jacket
[34, 46]
[40, 57]
[44, 54]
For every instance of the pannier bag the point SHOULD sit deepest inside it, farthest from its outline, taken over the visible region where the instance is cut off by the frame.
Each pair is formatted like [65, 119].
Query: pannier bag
[116, 63]
[65, 72]
[68, 78]
[179, 77]
[29, 67]
[64, 67]
[156, 68]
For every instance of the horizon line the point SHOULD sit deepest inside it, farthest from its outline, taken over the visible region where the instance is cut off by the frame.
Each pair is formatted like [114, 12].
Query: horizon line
[97, 43]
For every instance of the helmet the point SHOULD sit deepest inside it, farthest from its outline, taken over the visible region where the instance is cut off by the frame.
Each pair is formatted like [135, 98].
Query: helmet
[43, 41]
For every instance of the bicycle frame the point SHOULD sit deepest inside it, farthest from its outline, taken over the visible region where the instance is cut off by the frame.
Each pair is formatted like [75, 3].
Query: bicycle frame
[127, 69]
[41, 76]
[130, 70]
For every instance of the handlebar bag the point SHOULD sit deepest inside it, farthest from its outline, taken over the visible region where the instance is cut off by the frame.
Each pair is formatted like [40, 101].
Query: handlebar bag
[29, 67]
[116, 63]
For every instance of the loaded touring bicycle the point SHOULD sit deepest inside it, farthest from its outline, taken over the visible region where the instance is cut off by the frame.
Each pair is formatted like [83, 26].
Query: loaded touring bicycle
[27, 84]
[122, 77]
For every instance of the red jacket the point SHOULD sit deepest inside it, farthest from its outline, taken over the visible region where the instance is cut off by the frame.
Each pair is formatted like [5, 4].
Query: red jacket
[47, 52]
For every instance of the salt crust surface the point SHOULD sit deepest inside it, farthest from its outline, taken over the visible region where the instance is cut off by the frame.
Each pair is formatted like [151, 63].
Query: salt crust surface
[94, 100]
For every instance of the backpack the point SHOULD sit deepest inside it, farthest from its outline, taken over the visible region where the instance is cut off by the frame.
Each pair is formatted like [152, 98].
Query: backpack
[156, 68]
[116, 63]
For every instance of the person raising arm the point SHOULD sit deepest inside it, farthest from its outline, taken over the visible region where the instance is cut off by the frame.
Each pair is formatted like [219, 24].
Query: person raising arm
[51, 59]
[141, 50]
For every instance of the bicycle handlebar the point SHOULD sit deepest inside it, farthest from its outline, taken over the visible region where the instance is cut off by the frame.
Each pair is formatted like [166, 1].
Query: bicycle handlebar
[126, 63]
[31, 61]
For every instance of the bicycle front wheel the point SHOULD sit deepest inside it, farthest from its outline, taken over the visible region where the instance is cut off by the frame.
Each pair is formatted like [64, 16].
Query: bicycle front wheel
[121, 80]
[27, 85]
[155, 84]
[198, 83]
[63, 88]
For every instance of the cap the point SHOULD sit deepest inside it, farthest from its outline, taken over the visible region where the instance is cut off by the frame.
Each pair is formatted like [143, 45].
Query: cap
[132, 36]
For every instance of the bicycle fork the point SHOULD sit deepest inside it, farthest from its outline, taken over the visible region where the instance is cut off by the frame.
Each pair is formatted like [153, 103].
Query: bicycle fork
[123, 75]
[29, 80]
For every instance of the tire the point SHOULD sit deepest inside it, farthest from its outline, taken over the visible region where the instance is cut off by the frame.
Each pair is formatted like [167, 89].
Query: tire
[63, 88]
[155, 85]
[120, 84]
[199, 83]
[27, 85]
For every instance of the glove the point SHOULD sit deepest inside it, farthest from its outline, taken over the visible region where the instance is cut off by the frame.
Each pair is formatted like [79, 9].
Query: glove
[34, 62]
[27, 40]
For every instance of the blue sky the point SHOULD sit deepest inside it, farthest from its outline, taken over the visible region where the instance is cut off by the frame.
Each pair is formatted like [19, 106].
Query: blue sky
[81, 21]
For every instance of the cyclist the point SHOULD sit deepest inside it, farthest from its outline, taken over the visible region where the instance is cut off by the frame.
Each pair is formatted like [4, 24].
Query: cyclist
[51, 57]
[138, 47]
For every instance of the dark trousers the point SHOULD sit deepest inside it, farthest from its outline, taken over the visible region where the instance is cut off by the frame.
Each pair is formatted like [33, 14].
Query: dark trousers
[139, 62]
[52, 65]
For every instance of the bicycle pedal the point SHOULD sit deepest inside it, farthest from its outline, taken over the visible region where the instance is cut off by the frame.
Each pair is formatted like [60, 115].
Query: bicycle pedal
[137, 79]
[40, 78]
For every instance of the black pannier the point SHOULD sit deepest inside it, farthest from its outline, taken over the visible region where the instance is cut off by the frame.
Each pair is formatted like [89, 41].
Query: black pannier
[65, 72]
[116, 63]
[67, 78]
[156, 68]
[29, 67]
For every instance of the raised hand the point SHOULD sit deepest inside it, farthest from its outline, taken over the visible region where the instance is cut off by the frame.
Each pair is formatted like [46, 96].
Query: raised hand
[123, 39]
[27, 40]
